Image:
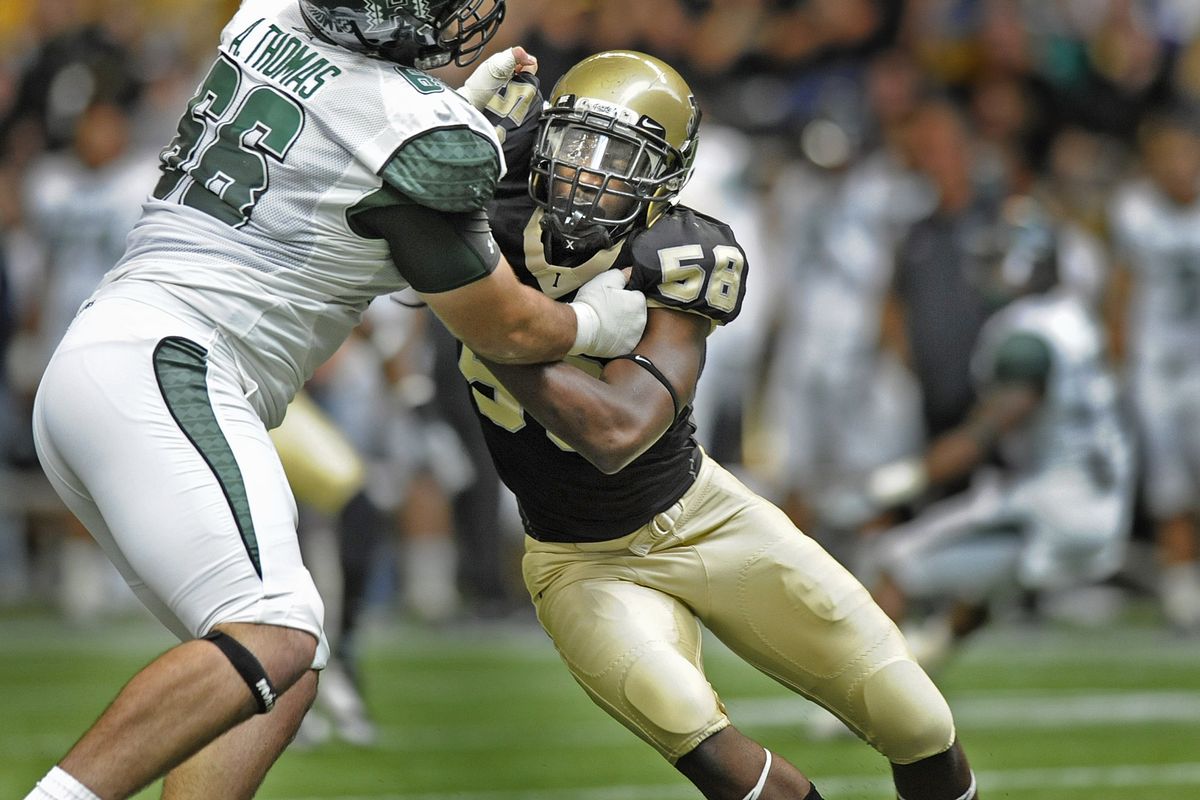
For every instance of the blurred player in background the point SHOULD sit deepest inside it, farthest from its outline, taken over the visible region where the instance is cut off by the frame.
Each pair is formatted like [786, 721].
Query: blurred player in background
[635, 537]
[80, 202]
[1045, 450]
[1156, 225]
[317, 166]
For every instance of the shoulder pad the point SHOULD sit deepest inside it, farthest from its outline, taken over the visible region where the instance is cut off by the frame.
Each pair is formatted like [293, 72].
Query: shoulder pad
[690, 262]
[449, 169]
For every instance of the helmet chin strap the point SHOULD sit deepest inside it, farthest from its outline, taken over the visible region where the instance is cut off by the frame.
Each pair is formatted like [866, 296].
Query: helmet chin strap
[572, 243]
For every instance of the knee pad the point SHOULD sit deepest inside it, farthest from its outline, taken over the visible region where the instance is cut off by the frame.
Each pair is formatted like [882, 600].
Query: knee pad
[670, 693]
[248, 667]
[909, 718]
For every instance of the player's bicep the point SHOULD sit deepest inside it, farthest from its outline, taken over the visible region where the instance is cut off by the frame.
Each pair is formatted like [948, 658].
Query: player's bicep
[674, 345]
[434, 251]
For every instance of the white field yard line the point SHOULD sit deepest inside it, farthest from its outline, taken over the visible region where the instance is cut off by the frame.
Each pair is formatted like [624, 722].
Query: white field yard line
[1004, 710]
[1114, 776]
[1001, 710]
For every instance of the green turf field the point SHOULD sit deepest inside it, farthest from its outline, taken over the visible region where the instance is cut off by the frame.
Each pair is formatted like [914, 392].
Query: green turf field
[1047, 713]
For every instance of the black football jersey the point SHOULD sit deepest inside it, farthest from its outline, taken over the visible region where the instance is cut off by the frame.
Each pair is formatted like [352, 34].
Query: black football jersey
[685, 260]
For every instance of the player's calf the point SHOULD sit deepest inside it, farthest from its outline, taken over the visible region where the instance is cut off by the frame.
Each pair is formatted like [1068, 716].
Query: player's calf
[730, 766]
[945, 776]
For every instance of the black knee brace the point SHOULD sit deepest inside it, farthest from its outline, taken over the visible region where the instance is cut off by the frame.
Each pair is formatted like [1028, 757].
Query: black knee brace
[813, 794]
[248, 667]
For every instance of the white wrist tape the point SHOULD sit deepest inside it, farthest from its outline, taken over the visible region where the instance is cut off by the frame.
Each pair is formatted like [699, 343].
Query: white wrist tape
[587, 325]
[488, 77]
[897, 483]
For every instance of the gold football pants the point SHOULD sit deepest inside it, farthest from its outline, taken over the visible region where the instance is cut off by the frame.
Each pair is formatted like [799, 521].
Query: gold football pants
[625, 616]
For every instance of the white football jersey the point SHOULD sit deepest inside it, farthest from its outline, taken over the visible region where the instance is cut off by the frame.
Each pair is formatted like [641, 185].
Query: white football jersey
[1079, 425]
[1161, 243]
[250, 225]
[81, 216]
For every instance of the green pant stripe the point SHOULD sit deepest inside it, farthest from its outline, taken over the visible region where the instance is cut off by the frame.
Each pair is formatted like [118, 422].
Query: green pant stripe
[181, 366]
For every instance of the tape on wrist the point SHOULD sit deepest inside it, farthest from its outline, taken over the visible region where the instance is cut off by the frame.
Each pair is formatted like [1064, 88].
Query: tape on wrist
[897, 483]
[587, 324]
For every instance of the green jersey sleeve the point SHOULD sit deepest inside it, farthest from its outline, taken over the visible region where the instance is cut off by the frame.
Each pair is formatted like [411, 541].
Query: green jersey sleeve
[447, 169]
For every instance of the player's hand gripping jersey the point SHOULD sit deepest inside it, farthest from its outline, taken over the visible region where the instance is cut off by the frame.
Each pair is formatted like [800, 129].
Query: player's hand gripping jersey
[255, 223]
[683, 260]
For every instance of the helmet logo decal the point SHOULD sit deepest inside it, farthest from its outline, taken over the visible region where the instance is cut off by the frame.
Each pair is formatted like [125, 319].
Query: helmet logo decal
[381, 13]
[416, 33]
[652, 126]
[601, 107]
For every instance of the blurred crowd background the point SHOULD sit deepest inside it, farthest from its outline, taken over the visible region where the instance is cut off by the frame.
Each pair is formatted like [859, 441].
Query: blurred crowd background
[844, 140]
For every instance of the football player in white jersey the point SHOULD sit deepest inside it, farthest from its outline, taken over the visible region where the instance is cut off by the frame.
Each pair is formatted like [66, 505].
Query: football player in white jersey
[635, 536]
[1046, 448]
[1156, 225]
[317, 166]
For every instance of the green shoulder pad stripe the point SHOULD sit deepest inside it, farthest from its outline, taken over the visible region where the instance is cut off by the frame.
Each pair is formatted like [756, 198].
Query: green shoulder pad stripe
[447, 169]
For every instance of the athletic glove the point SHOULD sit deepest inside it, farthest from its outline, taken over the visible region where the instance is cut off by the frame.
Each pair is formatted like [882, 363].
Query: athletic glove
[494, 73]
[853, 503]
[609, 318]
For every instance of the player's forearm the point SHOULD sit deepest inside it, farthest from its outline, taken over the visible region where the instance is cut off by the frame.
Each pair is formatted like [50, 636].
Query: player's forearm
[532, 329]
[950, 457]
[953, 456]
[609, 426]
[505, 321]
[1002, 409]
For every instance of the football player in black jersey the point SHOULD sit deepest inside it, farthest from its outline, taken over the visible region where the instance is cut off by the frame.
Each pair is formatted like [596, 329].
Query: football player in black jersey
[636, 538]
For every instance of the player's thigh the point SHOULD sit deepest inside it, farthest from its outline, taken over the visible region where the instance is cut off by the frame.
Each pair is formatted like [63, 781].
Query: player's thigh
[970, 569]
[191, 499]
[635, 650]
[69, 488]
[789, 608]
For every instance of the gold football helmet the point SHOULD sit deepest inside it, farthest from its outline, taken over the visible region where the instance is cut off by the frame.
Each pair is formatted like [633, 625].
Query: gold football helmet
[617, 142]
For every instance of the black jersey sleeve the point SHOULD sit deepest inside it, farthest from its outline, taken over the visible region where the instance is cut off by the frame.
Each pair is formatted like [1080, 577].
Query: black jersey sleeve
[691, 262]
[514, 111]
